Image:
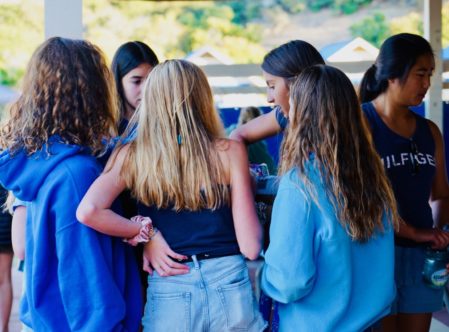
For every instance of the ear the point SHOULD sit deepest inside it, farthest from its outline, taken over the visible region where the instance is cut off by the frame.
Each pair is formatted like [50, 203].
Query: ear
[394, 82]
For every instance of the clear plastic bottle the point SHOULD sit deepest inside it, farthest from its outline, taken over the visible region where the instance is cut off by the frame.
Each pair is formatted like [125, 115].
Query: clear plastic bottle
[434, 271]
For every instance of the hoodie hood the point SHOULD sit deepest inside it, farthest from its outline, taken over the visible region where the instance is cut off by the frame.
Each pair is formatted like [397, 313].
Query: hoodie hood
[24, 174]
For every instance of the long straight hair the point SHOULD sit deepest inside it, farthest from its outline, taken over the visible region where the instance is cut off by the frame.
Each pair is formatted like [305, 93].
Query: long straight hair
[326, 121]
[396, 57]
[174, 160]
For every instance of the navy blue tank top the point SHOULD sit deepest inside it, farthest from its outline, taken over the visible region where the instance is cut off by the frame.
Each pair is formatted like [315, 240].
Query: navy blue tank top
[411, 179]
[195, 232]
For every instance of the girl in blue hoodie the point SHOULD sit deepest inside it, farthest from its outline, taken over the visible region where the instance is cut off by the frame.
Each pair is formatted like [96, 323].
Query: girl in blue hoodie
[77, 279]
[330, 259]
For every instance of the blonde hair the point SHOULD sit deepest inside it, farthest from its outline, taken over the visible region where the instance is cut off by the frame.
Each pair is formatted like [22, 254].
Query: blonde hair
[326, 121]
[68, 90]
[174, 159]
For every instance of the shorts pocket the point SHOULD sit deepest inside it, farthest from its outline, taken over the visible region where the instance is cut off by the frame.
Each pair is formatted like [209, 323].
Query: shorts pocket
[238, 304]
[167, 312]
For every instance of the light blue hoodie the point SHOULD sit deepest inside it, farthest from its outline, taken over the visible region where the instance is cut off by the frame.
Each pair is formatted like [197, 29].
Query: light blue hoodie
[323, 280]
[76, 278]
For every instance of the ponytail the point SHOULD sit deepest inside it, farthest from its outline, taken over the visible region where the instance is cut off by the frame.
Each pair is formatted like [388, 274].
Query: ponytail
[370, 87]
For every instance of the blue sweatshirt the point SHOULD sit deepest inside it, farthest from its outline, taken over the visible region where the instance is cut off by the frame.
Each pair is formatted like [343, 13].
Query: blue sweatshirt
[76, 278]
[323, 280]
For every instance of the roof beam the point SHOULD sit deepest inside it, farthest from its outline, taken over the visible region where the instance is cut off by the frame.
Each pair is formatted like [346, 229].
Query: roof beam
[432, 32]
[64, 18]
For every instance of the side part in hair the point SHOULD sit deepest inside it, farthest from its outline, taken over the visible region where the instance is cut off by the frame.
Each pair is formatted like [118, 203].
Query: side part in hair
[288, 60]
[127, 57]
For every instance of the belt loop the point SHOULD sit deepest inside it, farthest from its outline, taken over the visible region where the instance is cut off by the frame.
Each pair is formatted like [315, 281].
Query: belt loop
[195, 262]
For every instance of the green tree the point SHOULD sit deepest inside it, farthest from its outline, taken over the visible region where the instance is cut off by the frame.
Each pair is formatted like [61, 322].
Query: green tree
[21, 31]
[349, 6]
[374, 29]
[411, 23]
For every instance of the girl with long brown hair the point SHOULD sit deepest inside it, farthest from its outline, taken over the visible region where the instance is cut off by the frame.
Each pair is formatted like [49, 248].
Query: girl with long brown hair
[330, 259]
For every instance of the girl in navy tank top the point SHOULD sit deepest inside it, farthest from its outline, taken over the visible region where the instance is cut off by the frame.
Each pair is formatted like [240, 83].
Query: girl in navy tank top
[195, 186]
[412, 152]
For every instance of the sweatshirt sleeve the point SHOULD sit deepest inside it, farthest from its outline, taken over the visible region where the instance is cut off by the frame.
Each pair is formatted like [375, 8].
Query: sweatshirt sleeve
[289, 270]
[90, 294]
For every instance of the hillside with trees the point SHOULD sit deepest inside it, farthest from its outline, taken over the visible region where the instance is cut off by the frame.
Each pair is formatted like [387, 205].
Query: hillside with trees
[243, 30]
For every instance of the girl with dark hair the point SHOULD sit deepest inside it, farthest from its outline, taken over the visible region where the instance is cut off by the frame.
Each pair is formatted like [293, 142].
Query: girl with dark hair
[330, 261]
[412, 152]
[280, 67]
[131, 65]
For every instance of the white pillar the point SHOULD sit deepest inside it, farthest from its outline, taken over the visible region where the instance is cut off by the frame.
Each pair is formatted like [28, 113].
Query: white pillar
[432, 32]
[64, 18]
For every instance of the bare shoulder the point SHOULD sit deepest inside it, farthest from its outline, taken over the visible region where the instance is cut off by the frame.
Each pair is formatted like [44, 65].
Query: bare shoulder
[117, 157]
[436, 133]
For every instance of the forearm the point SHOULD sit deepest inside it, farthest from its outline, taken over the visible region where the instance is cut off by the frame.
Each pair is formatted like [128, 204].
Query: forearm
[406, 231]
[108, 222]
[238, 134]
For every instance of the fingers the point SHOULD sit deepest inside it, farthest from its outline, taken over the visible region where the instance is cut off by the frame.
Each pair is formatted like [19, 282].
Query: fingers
[176, 256]
[439, 239]
[165, 266]
[166, 271]
[147, 266]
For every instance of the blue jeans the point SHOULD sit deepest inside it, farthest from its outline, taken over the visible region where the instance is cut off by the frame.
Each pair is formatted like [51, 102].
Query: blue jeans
[215, 295]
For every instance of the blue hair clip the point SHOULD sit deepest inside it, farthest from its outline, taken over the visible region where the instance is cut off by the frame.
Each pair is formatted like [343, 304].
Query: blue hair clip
[179, 139]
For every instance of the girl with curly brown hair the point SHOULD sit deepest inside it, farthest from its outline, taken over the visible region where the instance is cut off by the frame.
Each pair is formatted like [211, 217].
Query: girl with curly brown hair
[77, 278]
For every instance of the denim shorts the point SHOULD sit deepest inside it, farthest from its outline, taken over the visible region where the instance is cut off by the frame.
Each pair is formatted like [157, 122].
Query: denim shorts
[413, 295]
[216, 295]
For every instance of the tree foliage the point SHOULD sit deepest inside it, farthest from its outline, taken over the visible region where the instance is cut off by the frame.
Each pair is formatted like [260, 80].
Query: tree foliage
[21, 31]
[376, 29]
[171, 29]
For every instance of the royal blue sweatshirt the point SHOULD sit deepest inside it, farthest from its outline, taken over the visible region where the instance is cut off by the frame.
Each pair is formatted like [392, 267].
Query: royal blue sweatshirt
[76, 278]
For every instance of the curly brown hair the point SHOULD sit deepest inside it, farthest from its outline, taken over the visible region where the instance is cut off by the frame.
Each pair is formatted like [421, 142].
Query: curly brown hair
[67, 91]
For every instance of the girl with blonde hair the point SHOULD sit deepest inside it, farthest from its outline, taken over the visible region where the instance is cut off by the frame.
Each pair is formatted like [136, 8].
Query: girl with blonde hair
[330, 260]
[195, 186]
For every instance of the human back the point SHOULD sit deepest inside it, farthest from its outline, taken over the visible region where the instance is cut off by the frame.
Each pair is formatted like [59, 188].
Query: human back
[203, 204]
[75, 276]
[340, 232]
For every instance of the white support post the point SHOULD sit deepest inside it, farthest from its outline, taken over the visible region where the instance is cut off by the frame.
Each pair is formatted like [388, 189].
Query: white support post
[64, 18]
[432, 32]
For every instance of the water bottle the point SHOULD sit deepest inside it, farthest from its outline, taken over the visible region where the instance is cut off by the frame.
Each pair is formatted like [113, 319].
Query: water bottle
[434, 272]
